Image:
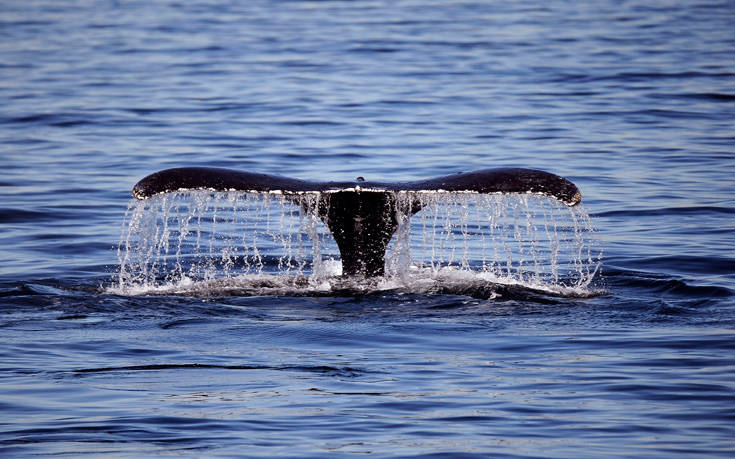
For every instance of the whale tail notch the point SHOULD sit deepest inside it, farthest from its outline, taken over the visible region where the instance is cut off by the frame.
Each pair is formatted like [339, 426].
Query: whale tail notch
[362, 216]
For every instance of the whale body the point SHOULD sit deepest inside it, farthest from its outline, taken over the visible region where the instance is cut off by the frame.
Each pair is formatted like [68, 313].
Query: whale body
[361, 215]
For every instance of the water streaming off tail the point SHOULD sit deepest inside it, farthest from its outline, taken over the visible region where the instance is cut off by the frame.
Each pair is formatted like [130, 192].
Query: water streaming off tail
[259, 243]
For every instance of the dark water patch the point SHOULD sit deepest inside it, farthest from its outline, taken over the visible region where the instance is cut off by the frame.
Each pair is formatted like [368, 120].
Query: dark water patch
[25, 23]
[30, 289]
[110, 434]
[371, 49]
[230, 106]
[324, 370]
[614, 339]
[65, 120]
[446, 302]
[72, 317]
[675, 392]
[21, 290]
[668, 114]
[639, 77]
[407, 102]
[184, 322]
[653, 282]
[664, 309]
[712, 265]
[709, 97]
[14, 215]
[695, 210]
[145, 111]
[309, 122]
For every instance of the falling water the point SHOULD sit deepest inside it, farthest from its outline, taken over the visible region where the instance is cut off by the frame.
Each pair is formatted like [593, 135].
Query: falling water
[200, 242]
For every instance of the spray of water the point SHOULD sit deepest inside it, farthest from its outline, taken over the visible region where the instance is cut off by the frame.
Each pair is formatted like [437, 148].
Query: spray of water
[200, 242]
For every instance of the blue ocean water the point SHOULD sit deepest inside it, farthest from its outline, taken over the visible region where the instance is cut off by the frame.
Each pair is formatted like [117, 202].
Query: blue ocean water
[633, 101]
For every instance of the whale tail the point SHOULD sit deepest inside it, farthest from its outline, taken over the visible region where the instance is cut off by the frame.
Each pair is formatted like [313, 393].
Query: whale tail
[362, 223]
[362, 216]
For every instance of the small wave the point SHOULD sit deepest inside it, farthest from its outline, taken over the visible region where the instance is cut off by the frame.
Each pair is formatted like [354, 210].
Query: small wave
[681, 263]
[10, 215]
[29, 289]
[639, 76]
[707, 96]
[687, 210]
[664, 284]
[318, 369]
[52, 119]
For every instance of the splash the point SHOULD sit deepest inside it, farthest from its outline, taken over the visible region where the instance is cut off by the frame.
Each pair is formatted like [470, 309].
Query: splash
[238, 243]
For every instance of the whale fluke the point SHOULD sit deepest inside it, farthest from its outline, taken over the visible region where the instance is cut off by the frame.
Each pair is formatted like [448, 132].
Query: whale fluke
[361, 215]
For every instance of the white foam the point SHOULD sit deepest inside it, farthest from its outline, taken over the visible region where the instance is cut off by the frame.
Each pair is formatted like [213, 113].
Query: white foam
[425, 281]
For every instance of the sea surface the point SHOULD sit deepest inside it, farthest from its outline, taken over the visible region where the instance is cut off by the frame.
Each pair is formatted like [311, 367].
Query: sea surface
[633, 101]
